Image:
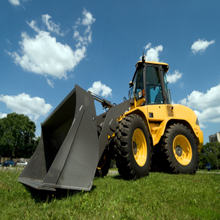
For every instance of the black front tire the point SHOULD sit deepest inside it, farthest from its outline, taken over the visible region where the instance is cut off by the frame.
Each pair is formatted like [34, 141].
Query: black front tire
[130, 135]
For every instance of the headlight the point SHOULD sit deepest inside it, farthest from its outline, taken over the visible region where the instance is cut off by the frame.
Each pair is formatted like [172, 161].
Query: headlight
[197, 121]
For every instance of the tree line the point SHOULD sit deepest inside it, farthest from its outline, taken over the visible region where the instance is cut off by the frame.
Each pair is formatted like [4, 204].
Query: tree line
[210, 153]
[17, 136]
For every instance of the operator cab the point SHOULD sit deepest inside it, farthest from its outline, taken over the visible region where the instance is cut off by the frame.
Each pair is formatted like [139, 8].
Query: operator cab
[150, 82]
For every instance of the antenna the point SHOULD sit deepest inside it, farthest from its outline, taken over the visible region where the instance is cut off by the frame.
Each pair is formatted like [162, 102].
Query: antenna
[143, 58]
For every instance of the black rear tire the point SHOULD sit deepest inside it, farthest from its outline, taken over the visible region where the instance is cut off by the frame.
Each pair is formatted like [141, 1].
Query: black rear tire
[180, 150]
[133, 148]
[105, 160]
[103, 165]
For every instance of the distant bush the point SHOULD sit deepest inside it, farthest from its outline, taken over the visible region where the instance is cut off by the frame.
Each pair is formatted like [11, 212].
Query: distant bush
[208, 154]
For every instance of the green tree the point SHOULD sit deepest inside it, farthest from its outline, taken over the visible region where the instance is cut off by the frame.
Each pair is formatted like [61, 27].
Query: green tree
[17, 134]
[208, 154]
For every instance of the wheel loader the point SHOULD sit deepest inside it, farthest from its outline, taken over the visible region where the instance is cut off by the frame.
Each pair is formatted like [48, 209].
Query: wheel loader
[144, 132]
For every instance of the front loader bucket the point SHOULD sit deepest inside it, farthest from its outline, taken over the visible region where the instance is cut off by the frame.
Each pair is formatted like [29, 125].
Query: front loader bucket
[68, 151]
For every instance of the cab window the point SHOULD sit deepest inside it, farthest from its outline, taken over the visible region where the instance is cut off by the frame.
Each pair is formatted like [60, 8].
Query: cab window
[137, 83]
[153, 85]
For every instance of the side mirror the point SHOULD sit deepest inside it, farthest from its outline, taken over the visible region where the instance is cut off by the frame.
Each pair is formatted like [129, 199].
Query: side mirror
[131, 84]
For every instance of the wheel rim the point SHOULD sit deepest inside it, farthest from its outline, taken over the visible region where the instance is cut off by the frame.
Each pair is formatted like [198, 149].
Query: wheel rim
[182, 150]
[139, 147]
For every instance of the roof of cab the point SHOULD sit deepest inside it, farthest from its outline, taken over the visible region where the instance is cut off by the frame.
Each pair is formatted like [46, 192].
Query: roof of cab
[156, 63]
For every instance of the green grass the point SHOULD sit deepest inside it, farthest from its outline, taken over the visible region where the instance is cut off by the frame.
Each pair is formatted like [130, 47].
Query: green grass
[113, 169]
[211, 171]
[159, 196]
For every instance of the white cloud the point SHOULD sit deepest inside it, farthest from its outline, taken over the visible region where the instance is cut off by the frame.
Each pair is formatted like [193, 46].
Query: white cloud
[181, 85]
[147, 46]
[152, 54]
[88, 18]
[24, 104]
[8, 41]
[50, 82]
[205, 105]
[51, 26]
[172, 78]
[98, 88]
[201, 45]
[89, 37]
[87, 30]
[2, 115]
[14, 2]
[33, 25]
[76, 34]
[201, 101]
[86, 37]
[44, 55]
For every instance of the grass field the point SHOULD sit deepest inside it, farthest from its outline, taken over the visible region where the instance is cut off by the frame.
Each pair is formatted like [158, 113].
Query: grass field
[159, 196]
[211, 171]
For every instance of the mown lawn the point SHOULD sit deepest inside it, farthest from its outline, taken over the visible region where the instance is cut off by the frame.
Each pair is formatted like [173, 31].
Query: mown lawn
[159, 196]
[211, 171]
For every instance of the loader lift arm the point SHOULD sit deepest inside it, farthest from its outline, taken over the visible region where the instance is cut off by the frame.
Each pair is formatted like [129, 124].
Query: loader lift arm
[105, 103]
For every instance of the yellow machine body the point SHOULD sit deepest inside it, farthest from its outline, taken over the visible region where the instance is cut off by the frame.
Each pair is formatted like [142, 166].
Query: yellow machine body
[157, 117]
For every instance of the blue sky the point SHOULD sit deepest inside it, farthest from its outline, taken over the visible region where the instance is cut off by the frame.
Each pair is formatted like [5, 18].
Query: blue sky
[46, 47]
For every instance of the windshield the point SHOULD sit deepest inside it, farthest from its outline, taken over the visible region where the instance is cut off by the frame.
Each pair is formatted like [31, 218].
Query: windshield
[153, 85]
[154, 89]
